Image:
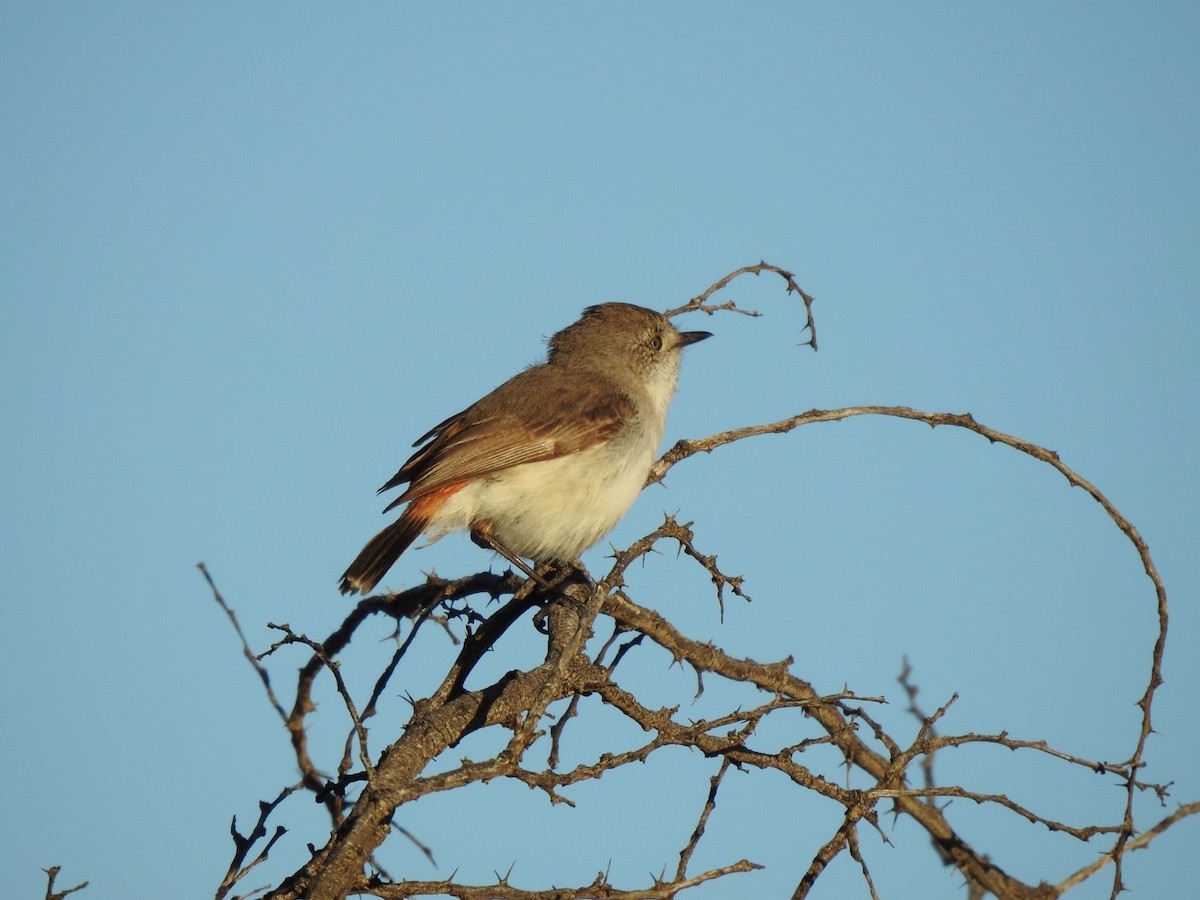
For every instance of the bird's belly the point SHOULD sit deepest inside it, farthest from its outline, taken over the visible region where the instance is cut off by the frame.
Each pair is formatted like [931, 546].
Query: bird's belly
[553, 510]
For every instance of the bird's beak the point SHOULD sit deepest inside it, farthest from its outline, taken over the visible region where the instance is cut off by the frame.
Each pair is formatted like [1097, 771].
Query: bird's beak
[690, 337]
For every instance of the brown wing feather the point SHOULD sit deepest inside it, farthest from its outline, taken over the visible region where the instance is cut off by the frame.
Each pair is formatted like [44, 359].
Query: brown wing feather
[442, 432]
[502, 430]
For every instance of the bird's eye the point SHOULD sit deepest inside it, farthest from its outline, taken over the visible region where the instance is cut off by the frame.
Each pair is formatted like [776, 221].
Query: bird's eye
[656, 342]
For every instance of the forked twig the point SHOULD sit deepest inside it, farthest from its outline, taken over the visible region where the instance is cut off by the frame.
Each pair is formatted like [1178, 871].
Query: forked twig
[51, 876]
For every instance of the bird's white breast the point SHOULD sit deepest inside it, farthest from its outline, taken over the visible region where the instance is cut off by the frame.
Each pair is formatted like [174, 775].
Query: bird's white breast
[553, 510]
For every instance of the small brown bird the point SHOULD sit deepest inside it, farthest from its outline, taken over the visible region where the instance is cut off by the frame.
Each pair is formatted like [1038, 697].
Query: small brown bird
[545, 465]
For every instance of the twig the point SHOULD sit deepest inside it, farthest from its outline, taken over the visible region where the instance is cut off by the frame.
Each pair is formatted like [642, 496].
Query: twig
[699, 303]
[1138, 843]
[683, 535]
[856, 855]
[335, 669]
[1082, 834]
[710, 803]
[259, 668]
[599, 889]
[51, 875]
[242, 844]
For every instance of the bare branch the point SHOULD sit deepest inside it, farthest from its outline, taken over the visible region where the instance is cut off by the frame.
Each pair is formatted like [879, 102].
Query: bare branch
[599, 889]
[684, 449]
[1141, 842]
[51, 876]
[335, 669]
[710, 804]
[259, 668]
[681, 533]
[243, 844]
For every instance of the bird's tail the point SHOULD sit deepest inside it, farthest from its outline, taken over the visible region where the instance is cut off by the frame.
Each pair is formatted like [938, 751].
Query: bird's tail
[381, 553]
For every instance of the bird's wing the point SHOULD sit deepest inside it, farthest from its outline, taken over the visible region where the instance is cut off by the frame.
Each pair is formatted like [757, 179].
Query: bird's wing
[502, 431]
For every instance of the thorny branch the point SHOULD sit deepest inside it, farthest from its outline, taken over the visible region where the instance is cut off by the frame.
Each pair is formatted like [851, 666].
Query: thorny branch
[599, 889]
[684, 449]
[700, 303]
[519, 702]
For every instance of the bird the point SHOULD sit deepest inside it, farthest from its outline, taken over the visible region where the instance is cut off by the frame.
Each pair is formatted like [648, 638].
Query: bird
[545, 465]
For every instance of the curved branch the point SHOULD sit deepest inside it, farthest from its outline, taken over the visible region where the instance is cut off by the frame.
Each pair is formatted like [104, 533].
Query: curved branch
[699, 303]
[687, 448]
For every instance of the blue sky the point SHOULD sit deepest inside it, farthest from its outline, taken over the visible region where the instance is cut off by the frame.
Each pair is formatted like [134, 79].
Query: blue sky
[251, 251]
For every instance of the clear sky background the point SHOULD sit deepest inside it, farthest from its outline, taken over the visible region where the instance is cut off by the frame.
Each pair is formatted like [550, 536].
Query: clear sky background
[249, 252]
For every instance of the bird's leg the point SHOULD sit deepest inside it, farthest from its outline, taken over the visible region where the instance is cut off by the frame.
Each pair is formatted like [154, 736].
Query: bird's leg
[481, 534]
